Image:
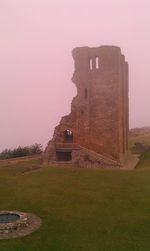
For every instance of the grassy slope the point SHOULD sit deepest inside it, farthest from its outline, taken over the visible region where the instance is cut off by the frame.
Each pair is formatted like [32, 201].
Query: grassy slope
[143, 138]
[144, 161]
[82, 210]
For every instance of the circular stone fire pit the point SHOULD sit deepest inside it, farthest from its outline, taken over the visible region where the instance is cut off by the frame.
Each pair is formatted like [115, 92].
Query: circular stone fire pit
[15, 224]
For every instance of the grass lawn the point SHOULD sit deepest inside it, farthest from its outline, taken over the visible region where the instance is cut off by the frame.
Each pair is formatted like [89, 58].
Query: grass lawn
[81, 209]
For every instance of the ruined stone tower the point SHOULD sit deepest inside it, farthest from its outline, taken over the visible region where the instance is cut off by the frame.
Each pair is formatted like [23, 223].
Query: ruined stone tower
[95, 133]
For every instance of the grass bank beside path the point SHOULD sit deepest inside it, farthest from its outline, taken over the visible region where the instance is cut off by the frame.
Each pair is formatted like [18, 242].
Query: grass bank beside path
[144, 160]
[81, 209]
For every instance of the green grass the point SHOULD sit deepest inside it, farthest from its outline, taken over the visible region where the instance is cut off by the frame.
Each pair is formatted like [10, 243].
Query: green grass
[144, 161]
[81, 209]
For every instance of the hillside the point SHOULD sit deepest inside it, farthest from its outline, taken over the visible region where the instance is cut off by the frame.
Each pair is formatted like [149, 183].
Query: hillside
[139, 135]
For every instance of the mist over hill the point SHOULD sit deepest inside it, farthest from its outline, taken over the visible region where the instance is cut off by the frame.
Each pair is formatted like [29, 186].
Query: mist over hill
[139, 131]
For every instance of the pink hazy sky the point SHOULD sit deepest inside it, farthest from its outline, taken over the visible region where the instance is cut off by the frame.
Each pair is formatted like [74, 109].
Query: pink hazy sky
[36, 66]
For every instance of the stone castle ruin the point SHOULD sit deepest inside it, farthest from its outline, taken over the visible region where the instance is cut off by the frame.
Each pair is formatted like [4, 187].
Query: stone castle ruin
[95, 133]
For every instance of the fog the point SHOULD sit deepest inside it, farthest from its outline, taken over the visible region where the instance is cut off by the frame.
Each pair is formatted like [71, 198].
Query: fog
[36, 65]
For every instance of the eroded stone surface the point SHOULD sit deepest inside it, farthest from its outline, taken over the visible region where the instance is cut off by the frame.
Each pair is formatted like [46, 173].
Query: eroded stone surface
[95, 133]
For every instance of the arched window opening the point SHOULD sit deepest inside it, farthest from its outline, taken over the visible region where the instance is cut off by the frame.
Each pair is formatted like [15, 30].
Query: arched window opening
[97, 62]
[85, 93]
[91, 64]
[68, 136]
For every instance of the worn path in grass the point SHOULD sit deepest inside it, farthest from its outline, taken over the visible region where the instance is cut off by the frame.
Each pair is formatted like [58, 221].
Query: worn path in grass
[82, 210]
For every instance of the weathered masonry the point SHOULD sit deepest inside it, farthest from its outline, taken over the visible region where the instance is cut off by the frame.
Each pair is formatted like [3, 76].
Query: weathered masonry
[95, 133]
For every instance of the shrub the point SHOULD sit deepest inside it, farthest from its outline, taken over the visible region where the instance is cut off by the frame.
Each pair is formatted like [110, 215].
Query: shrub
[21, 151]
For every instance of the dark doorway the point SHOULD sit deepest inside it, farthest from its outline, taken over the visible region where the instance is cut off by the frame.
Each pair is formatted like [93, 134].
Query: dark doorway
[63, 156]
[68, 136]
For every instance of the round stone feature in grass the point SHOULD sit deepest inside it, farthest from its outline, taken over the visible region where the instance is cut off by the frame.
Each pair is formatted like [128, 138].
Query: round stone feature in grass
[15, 224]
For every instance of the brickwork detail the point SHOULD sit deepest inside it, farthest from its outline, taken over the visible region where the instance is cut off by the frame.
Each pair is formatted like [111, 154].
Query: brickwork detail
[98, 123]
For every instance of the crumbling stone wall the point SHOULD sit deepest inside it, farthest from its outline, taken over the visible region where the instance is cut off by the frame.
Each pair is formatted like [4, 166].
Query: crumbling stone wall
[99, 113]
